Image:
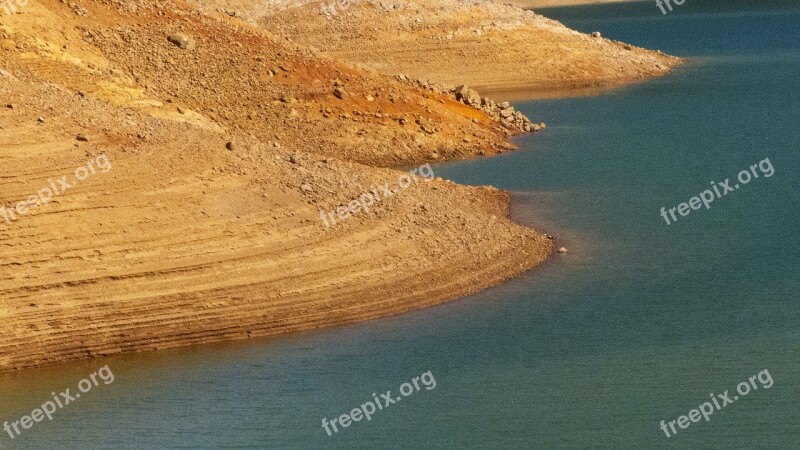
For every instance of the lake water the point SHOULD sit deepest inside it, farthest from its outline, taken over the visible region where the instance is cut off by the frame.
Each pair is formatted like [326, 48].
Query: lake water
[638, 323]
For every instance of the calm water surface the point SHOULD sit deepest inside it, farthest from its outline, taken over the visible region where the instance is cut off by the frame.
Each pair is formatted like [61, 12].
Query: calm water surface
[639, 323]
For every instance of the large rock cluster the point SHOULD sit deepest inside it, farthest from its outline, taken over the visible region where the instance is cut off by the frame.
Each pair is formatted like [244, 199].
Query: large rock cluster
[512, 120]
[504, 113]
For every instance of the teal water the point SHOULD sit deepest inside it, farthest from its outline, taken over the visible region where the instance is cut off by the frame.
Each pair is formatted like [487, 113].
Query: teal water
[637, 324]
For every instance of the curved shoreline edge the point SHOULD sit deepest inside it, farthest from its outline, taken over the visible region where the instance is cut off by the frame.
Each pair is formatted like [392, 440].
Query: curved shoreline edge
[208, 226]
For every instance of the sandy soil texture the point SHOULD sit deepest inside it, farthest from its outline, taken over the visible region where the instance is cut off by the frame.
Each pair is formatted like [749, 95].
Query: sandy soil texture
[207, 225]
[481, 43]
[553, 3]
[227, 127]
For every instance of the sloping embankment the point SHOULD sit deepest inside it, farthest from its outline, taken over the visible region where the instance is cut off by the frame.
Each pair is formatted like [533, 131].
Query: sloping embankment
[481, 43]
[183, 241]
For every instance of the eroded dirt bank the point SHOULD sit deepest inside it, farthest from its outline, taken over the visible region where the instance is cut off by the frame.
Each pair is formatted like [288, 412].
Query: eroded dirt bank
[187, 239]
[482, 43]
[223, 143]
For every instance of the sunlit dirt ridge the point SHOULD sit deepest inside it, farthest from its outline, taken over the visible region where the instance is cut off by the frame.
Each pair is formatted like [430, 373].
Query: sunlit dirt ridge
[207, 226]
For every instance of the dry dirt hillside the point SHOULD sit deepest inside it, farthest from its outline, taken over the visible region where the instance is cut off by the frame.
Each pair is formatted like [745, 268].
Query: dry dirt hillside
[213, 147]
[556, 3]
[481, 43]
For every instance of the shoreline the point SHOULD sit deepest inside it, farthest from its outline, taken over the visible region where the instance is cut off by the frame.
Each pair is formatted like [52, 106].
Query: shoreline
[489, 47]
[202, 244]
[208, 229]
[535, 92]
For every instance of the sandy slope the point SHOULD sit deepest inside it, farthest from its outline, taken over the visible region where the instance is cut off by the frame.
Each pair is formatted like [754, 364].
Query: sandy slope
[551, 3]
[184, 241]
[484, 44]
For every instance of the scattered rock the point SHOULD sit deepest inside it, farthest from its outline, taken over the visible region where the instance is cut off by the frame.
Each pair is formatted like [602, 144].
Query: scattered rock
[513, 121]
[339, 93]
[82, 137]
[596, 34]
[40, 120]
[78, 11]
[507, 146]
[230, 146]
[562, 250]
[182, 41]
[468, 96]
[306, 188]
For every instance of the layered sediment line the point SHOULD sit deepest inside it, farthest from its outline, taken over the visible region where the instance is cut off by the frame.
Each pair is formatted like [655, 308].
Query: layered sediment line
[224, 144]
[482, 43]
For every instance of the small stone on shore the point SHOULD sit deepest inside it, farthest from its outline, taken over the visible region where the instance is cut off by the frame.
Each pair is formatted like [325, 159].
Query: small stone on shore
[562, 250]
[182, 41]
